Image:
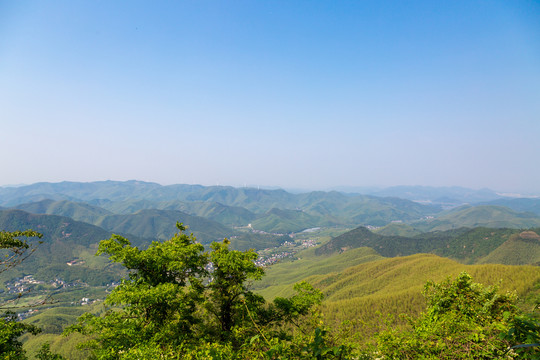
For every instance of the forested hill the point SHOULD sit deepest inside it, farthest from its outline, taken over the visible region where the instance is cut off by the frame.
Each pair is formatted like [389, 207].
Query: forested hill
[256, 200]
[476, 245]
[147, 223]
[521, 204]
[64, 240]
[266, 209]
[79, 211]
[481, 215]
[160, 224]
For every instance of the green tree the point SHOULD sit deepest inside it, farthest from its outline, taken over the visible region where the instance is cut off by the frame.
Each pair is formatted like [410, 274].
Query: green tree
[181, 302]
[157, 304]
[228, 294]
[10, 331]
[45, 353]
[463, 320]
[17, 247]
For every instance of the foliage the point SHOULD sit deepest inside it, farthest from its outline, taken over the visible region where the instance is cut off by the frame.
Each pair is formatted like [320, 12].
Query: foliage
[525, 332]
[182, 302]
[18, 249]
[10, 328]
[10, 331]
[228, 296]
[463, 320]
[45, 353]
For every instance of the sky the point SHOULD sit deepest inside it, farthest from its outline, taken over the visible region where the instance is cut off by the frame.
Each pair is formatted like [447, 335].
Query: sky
[295, 94]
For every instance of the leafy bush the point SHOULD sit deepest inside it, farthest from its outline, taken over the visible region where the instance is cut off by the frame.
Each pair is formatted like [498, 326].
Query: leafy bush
[463, 320]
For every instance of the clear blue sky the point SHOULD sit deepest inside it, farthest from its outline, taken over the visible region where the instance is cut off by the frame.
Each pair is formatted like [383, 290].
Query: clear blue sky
[305, 94]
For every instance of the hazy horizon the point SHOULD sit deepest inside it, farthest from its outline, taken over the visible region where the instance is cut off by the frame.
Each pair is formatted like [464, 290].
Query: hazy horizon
[291, 94]
[340, 188]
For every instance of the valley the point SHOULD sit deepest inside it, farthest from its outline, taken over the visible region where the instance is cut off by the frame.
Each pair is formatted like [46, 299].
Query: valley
[370, 256]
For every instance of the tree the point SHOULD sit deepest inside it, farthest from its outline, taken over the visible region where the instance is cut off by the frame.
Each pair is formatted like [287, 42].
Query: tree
[10, 331]
[157, 304]
[182, 302]
[463, 320]
[228, 294]
[18, 248]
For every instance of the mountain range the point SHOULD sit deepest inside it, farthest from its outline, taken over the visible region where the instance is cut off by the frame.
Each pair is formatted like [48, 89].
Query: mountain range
[366, 252]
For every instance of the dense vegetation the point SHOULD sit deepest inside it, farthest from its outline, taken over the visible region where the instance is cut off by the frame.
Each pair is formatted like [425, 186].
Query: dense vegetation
[183, 309]
[182, 302]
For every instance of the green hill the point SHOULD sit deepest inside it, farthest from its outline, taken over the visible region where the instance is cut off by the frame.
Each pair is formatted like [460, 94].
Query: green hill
[224, 214]
[367, 292]
[464, 245]
[129, 206]
[483, 215]
[281, 276]
[388, 246]
[521, 204]
[445, 195]
[520, 249]
[79, 211]
[64, 240]
[127, 197]
[288, 221]
[398, 229]
[161, 224]
[394, 286]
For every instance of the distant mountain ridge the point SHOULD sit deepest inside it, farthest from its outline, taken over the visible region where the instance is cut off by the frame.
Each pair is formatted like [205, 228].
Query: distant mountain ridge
[273, 211]
[482, 215]
[453, 195]
[79, 211]
[228, 205]
[520, 204]
[146, 223]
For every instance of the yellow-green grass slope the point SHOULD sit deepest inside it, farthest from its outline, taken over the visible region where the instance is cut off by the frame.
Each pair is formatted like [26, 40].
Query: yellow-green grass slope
[376, 287]
[520, 249]
[280, 277]
[394, 286]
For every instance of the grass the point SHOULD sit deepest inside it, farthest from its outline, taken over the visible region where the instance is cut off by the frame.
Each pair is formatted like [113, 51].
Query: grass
[281, 276]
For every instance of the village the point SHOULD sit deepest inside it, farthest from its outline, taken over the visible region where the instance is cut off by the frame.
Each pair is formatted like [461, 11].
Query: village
[288, 249]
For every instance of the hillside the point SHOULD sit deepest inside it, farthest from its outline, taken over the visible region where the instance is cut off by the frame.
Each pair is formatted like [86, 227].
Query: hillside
[521, 204]
[288, 221]
[226, 215]
[394, 286]
[388, 246]
[147, 223]
[237, 206]
[465, 245]
[482, 215]
[79, 211]
[64, 240]
[397, 229]
[161, 224]
[281, 276]
[373, 288]
[452, 196]
[520, 249]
